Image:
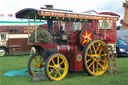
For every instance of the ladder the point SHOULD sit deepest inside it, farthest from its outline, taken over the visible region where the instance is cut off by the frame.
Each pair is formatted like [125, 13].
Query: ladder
[110, 55]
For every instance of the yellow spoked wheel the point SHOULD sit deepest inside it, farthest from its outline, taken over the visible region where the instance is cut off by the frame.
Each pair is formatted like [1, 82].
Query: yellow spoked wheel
[56, 67]
[95, 57]
[36, 65]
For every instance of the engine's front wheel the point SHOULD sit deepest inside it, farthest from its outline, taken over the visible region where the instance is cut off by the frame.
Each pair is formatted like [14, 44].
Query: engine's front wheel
[56, 67]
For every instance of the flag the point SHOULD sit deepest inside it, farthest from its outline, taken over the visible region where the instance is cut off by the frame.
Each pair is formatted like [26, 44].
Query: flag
[10, 15]
[1, 15]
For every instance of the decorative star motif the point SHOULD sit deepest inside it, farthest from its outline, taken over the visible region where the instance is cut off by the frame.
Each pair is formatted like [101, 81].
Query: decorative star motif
[87, 37]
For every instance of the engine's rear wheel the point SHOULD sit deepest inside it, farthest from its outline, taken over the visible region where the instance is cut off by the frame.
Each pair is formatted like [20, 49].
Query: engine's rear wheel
[56, 67]
[95, 57]
[36, 65]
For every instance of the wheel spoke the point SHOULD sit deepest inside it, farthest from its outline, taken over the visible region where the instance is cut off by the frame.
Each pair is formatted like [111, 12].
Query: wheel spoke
[33, 64]
[59, 73]
[89, 60]
[34, 70]
[97, 66]
[100, 51]
[62, 62]
[53, 61]
[41, 60]
[100, 65]
[94, 49]
[98, 46]
[50, 66]
[93, 67]
[58, 60]
[62, 68]
[36, 60]
[90, 50]
[102, 61]
[39, 71]
[89, 55]
[91, 64]
[104, 54]
[55, 74]
[51, 71]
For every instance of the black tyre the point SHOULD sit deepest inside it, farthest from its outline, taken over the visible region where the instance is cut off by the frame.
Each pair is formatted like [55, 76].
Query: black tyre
[3, 51]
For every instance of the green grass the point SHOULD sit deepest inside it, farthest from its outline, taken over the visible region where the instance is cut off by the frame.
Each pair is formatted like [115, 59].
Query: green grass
[10, 63]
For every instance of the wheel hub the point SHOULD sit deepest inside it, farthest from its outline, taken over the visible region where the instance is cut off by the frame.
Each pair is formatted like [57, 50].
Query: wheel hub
[57, 67]
[38, 65]
[97, 57]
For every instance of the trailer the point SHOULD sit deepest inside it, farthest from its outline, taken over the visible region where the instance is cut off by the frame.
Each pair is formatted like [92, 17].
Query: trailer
[14, 36]
[78, 43]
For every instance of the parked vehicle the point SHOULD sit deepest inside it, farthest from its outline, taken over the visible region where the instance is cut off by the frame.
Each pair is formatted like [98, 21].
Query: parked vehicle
[121, 48]
[79, 42]
[14, 36]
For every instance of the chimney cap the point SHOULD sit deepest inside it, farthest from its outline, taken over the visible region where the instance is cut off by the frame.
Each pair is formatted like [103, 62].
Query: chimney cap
[49, 6]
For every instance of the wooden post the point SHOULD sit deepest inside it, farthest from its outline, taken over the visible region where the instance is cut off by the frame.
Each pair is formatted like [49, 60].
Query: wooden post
[111, 55]
[28, 27]
[35, 29]
[108, 58]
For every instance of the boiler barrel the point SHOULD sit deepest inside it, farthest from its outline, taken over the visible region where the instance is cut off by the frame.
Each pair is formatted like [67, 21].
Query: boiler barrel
[66, 48]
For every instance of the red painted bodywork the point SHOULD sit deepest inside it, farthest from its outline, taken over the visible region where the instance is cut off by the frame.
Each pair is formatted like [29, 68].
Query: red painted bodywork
[76, 65]
[72, 48]
[47, 45]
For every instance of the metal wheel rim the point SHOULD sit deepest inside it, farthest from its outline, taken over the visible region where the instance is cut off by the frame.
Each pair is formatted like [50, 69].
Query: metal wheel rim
[57, 67]
[96, 62]
[37, 65]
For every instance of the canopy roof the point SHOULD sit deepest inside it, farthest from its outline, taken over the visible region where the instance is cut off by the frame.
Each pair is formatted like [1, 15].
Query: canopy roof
[102, 12]
[46, 14]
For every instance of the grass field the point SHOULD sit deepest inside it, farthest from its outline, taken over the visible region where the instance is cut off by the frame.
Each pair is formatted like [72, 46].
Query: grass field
[10, 63]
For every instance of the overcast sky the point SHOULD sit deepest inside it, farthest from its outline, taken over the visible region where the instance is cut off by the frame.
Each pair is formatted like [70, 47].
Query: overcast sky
[12, 6]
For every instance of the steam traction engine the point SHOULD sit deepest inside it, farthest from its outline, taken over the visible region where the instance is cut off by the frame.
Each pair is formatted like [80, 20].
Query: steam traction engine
[79, 45]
